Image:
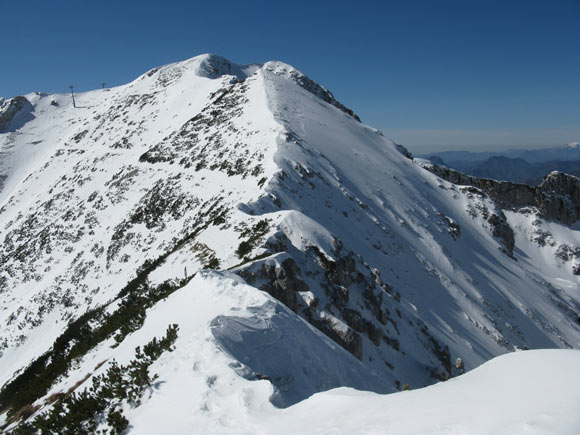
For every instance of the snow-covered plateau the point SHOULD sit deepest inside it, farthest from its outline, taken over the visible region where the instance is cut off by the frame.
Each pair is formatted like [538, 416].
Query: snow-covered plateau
[222, 248]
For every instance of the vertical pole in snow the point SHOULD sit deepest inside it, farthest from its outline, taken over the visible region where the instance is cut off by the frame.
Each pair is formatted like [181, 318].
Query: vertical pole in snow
[185, 271]
[73, 95]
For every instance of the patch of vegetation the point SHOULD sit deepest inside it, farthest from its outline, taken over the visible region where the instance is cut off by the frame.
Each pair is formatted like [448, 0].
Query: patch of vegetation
[249, 260]
[78, 339]
[83, 412]
[203, 142]
[253, 235]
[82, 335]
[213, 263]
[244, 248]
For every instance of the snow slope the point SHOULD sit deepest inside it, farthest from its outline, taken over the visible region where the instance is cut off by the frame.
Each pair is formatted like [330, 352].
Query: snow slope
[511, 394]
[73, 208]
[200, 390]
[371, 265]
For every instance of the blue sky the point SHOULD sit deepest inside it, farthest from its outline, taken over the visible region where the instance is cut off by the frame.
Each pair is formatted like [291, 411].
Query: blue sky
[440, 74]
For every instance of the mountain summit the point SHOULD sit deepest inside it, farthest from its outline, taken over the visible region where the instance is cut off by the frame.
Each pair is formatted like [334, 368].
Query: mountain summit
[258, 244]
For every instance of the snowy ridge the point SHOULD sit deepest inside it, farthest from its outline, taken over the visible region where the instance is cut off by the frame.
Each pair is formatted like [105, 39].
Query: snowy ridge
[348, 250]
[201, 390]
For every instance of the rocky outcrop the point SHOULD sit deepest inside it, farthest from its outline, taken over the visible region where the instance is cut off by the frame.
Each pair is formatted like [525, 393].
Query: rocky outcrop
[503, 231]
[281, 281]
[557, 197]
[340, 320]
[562, 184]
[404, 151]
[9, 108]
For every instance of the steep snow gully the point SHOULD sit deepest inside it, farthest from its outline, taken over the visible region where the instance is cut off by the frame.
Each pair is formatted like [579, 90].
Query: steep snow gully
[296, 249]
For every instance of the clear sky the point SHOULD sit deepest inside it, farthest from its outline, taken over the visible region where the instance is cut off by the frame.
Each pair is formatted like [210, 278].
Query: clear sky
[439, 74]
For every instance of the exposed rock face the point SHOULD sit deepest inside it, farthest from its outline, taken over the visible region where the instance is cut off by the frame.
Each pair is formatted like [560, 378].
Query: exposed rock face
[284, 281]
[557, 196]
[281, 282]
[343, 298]
[503, 231]
[9, 108]
[404, 151]
[563, 200]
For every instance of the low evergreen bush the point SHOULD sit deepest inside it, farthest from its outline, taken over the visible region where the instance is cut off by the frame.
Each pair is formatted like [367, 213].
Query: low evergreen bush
[101, 403]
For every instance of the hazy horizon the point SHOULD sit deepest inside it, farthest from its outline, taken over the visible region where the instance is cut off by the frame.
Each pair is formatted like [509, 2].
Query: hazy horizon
[495, 148]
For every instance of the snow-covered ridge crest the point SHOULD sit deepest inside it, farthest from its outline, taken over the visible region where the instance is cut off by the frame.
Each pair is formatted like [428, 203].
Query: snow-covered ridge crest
[286, 71]
[117, 206]
[213, 66]
[208, 65]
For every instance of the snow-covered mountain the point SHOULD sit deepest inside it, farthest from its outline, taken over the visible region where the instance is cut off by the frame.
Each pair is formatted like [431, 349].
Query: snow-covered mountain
[295, 248]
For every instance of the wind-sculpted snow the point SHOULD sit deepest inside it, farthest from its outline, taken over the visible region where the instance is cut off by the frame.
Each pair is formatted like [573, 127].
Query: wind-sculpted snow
[274, 344]
[512, 394]
[285, 71]
[14, 113]
[111, 210]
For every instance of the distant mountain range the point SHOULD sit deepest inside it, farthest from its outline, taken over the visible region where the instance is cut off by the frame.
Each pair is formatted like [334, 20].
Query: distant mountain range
[522, 166]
